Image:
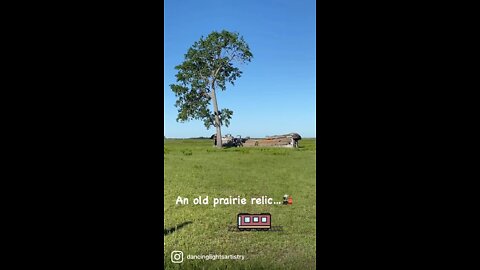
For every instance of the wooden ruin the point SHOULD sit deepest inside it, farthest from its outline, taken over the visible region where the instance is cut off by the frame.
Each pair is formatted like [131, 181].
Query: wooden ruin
[288, 140]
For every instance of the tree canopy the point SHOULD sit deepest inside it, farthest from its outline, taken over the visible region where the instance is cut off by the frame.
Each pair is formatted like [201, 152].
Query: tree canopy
[209, 64]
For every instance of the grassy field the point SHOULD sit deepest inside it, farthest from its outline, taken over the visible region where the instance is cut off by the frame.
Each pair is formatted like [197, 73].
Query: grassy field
[195, 168]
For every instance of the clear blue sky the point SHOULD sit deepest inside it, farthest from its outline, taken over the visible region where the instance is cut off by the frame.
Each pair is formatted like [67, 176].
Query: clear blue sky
[276, 93]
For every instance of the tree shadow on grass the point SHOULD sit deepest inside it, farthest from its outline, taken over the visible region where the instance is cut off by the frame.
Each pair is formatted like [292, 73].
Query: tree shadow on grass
[172, 229]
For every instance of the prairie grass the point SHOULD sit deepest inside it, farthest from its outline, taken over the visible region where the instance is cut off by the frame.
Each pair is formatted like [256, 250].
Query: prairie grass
[195, 168]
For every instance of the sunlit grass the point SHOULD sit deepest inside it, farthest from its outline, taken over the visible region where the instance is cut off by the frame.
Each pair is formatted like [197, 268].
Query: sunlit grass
[195, 168]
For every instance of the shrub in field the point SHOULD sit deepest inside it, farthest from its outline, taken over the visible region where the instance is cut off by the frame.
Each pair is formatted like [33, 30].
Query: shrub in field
[283, 153]
[215, 150]
[244, 151]
[187, 152]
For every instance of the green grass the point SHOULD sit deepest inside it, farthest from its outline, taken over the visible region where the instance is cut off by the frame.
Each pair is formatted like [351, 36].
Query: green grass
[195, 168]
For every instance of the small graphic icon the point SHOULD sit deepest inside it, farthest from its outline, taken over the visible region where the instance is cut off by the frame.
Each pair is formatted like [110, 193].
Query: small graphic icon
[177, 256]
[285, 199]
[254, 221]
[290, 200]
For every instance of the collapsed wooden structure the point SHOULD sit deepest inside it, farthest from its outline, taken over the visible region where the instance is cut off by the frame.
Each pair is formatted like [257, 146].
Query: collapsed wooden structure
[287, 140]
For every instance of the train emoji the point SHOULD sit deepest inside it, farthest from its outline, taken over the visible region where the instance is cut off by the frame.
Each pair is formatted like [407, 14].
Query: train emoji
[247, 222]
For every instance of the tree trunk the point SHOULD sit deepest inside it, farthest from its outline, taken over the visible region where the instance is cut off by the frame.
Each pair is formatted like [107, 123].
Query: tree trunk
[217, 118]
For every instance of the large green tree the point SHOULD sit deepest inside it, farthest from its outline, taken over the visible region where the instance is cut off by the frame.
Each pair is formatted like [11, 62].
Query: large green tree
[209, 65]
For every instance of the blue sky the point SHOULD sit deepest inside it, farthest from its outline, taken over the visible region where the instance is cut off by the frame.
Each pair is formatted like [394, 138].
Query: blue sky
[276, 93]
